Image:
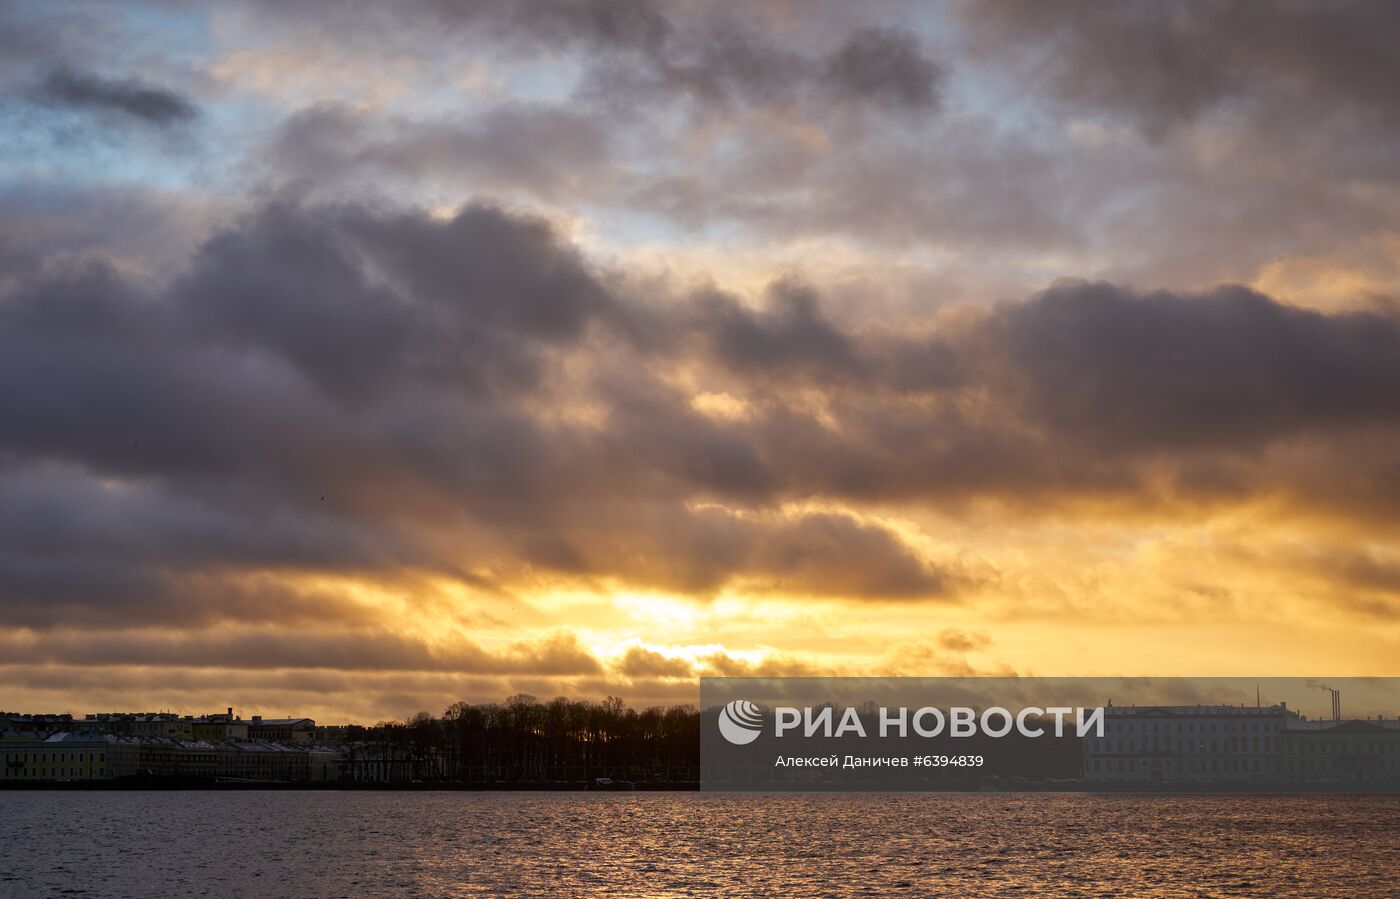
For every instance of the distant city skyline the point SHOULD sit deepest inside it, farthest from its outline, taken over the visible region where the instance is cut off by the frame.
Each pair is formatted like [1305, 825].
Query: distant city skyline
[358, 359]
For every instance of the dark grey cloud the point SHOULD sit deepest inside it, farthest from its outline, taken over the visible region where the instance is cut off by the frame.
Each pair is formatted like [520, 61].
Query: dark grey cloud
[78, 549]
[723, 62]
[132, 98]
[637, 24]
[1230, 367]
[790, 333]
[1086, 390]
[472, 301]
[382, 393]
[887, 66]
[1163, 65]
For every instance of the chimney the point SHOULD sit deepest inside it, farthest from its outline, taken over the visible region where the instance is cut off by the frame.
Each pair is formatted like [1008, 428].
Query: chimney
[230, 713]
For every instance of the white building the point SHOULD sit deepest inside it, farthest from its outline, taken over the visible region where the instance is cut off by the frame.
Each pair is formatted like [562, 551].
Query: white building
[1207, 744]
[1188, 744]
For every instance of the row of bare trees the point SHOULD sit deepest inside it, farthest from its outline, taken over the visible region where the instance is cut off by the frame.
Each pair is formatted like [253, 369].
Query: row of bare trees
[524, 740]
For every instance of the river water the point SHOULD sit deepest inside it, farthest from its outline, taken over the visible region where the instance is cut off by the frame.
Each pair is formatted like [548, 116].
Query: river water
[353, 844]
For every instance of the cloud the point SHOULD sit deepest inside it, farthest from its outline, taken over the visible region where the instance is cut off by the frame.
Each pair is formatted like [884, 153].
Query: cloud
[711, 54]
[138, 229]
[381, 394]
[1165, 66]
[789, 334]
[639, 662]
[886, 66]
[1229, 367]
[724, 60]
[705, 550]
[638, 24]
[539, 150]
[473, 300]
[132, 98]
[84, 549]
[364, 650]
[955, 640]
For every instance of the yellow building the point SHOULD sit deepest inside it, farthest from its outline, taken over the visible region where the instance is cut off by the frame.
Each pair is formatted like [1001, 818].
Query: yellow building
[59, 757]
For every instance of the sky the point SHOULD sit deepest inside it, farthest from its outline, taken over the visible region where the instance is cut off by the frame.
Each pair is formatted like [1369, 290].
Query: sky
[360, 358]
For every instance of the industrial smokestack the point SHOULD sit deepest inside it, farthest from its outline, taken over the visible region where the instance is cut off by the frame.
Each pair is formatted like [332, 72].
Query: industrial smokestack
[1336, 699]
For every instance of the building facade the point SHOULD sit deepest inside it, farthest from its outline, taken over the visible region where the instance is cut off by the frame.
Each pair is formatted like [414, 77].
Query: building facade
[71, 757]
[1356, 751]
[282, 730]
[1206, 744]
[58, 757]
[136, 724]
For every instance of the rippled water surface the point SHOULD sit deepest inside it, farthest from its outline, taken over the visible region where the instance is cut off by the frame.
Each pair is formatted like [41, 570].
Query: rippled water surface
[278, 844]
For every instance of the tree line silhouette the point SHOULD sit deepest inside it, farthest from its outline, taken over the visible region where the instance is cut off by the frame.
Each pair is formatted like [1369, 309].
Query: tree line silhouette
[524, 740]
